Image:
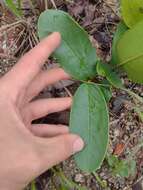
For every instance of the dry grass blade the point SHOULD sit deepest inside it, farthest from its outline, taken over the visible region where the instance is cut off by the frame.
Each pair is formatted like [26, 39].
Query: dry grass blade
[17, 39]
[110, 6]
[13, 25]
[54, 4]
[46, 4]
[68, 92]
[35, 38]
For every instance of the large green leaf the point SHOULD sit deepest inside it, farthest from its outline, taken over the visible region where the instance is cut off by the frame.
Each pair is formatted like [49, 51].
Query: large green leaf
[121, 29]
[132, 11]
[89, 119]
[76, 54]
[130, 53]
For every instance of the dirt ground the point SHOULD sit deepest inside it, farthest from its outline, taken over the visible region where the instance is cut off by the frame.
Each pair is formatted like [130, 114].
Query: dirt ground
[99, 19]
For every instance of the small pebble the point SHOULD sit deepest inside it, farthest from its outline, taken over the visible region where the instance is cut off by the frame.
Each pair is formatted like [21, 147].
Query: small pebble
[79, 178]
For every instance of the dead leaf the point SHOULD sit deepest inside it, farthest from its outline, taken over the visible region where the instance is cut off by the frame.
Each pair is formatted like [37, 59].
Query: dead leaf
[119, 149]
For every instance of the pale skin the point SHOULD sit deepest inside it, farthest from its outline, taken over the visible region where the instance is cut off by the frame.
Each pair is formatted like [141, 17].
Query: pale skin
[28, 150]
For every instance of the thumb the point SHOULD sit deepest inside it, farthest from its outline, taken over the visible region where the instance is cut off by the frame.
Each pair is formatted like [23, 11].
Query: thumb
[57, 149]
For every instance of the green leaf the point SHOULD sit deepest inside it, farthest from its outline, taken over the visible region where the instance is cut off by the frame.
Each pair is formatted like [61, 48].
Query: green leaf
[121, 29]
[76, 54]
[33, 186]
[99, 68]
[132, 167]
[130, 53]
[64, 187]
[122, 169]
[12, 6]
[89, 119]
[107, 93]
[111, 76]
[112, 160]
[139, 112]
[125, 168]
[132, 11]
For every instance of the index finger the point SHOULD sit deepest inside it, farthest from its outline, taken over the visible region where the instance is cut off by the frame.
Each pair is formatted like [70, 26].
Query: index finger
[30, 64]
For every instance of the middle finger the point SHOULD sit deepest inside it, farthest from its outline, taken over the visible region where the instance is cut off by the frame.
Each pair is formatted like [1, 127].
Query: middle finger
[40, 108]
[44, 79]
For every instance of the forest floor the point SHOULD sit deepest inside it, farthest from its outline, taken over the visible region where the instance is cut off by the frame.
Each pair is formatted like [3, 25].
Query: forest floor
[99, 19]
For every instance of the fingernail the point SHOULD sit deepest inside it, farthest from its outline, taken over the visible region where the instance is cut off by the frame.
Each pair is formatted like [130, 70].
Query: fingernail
[78, 145]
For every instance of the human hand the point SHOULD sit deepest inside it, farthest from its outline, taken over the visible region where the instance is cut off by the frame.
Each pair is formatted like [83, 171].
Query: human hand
[25, 154]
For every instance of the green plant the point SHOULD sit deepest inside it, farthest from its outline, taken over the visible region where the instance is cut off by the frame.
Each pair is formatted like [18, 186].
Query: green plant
[15, 7]
[89, 114]
[89, 100]
[130, 53]
[65, 183]
[33, 186]
[126, 167]
[127, 43]
[132, 11]
[102, 183]
[122, 168]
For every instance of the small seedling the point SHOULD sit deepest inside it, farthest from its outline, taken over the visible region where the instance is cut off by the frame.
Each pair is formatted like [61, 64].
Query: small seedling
[122, 168]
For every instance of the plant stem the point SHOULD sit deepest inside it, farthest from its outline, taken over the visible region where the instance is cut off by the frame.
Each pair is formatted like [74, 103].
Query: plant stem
[133, 95]
[69, 183]
[102, 183]
[99, 84]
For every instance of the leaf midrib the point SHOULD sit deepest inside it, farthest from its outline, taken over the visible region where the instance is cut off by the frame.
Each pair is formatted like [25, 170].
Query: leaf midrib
[129, 60]
[74, 52]
[88, 160]
[89, 124]
[68, 45]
